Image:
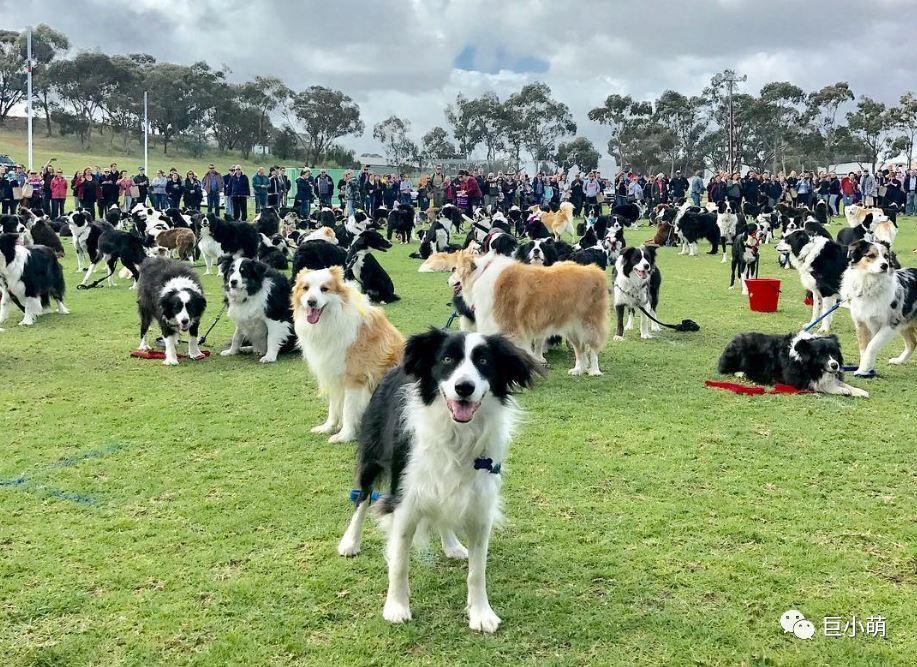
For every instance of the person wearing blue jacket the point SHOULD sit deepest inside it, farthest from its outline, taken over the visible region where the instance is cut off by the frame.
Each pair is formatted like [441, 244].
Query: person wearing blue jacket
[260, 184]
[239, 192]
[304, 194]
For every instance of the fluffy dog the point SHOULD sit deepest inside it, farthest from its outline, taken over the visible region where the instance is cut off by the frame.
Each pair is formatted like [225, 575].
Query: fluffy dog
[366, 270]
[883, 302]
[258, 302]
[745, 258]
[559, 221]
[438, 429]
[821, 263]
[239, 239]
[800, 360]
[692, 227]
[317, 255]
[30, 277]
[531, 303]
[210, 248]
[170, 292]
[401, 224]
[79, 223]
[636, 285]
[42, 232]
[348, 344]
[439, 261]
[179, 239]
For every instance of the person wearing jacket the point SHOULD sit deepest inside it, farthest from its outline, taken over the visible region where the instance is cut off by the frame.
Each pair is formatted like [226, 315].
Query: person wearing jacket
[304, 194]
[869, 186]
[6, 192]
[260, 184]
[174, 190]
[910, 192]
[142, 181]
[212, 186]
[239, 191]
[274, 188]
[324, 188]
[678, 185]
[87, 189]
[58, 193]
[193, 193]
[227, 200]
[696, 187]
[158, 191]
[473, 192]
[125, 183]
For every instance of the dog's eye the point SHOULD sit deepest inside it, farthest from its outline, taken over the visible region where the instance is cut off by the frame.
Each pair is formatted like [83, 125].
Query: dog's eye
[482, 361]
[447, 359]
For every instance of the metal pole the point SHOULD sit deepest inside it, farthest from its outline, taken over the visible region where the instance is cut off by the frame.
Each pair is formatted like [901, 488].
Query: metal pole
[28, 69]
[146, 133]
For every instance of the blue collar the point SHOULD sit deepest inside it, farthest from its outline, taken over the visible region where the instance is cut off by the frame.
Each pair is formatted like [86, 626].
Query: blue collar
[482, 463]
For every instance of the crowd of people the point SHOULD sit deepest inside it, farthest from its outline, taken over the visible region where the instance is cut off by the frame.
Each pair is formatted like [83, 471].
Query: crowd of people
[48, 189]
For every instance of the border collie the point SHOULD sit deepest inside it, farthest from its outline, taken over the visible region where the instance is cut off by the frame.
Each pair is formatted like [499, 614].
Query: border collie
[210, 248]
[800, 360]
[696, 226]
[315, 255]
[820, 263]
[531, 303]
[235, 238]
[401, 224]
[41, 231]
[636, 285]
[257, 300]
[170, 292]
[267, 221]
[30, 277]
[745, 258]
[79, 222]
[883, 302]
[362, 267]
[107, 244]
[438, 429]
[437, 237]
[273, 252]
[728, 222]
[348, 344]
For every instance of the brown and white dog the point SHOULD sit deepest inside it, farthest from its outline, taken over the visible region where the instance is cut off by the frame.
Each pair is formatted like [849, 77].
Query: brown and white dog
[179, 239]
[530, 303]
[348, 344]
[439, 261]
[558, 221]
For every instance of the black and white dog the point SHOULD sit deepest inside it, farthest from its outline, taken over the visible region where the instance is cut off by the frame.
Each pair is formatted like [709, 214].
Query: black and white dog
[257, 300]
[365, 269]
[800, 360]
[30, 278]
[211, 250]
[316, 255]
[239, 239]
[636, 286]
[542, 251]
[401, 224]
[728, 222]
[170, 292]
[107, 244]
[692, 227]
[437, 237]
[79, 223]
[745, 257]
[438, 429]
[821, 264]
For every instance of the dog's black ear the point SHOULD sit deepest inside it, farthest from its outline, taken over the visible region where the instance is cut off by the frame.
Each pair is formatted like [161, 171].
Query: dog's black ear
[421, 350]
[802, 346]
[650, 252]
[856, 250]
[260, 268]
[516, 368]
[225, 263]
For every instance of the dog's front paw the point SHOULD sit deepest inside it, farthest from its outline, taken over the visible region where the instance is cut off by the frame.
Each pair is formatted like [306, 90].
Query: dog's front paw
[483, 620]
[897, 361]
[267, 359]
[343, 436]
[228, 353]
[26, 323]
[322, 428]
[618, 338]
[575, 371]
[456, 551]
[348, 548]
[647, 336]
[396, 612]
[859, 393]
[170, 362]
[595, 372]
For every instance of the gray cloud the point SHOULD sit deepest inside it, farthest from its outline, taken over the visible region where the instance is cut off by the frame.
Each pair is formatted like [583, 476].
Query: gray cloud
[400, 57]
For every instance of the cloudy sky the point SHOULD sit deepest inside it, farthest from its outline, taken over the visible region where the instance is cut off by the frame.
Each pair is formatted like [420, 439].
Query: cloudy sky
[411, 58]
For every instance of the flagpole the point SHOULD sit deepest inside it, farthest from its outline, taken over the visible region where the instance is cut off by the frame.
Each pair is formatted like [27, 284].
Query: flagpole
[146, 133]
[28, 69]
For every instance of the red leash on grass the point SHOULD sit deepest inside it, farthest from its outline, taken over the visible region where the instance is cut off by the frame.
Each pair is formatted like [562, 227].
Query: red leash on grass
[754, 390]
[159, 354]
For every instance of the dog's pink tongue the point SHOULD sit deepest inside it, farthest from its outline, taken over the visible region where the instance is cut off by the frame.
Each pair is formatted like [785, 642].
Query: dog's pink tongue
[462, 411]
[313, 314]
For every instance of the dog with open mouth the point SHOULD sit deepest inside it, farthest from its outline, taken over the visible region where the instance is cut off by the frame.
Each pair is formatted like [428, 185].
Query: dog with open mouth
[437, 430]
[170, 292]
[347, 342]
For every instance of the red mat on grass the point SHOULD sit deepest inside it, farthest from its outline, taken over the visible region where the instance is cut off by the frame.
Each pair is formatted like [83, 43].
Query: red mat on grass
[159, 354]
[754, 390]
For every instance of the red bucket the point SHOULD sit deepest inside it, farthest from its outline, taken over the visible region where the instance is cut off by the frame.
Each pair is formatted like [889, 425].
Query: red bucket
[763, 294]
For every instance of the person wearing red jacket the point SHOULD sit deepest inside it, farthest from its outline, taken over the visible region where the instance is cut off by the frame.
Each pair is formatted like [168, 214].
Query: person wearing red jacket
[58, 194]
[472, 190]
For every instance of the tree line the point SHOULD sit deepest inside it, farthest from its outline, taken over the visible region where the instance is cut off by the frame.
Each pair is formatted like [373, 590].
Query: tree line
[780, 129]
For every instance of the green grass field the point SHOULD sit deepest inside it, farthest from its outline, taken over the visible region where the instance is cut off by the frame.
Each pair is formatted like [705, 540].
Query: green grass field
[156, 515]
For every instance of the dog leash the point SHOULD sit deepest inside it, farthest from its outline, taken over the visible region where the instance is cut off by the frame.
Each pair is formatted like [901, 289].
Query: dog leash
[830, 310]
[203, 339]
[685, 325]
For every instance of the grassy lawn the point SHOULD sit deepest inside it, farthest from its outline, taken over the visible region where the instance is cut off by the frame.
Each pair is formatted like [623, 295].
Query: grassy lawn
[157, 515]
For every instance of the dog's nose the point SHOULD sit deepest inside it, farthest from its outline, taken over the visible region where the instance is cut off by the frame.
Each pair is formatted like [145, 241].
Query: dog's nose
[834, 366]
[233, 283]
[312, 303]
[184, 321]
[884, 267]
[464, 389]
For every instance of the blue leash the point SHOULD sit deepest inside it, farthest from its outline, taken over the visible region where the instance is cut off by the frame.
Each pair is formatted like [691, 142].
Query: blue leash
[824, 315]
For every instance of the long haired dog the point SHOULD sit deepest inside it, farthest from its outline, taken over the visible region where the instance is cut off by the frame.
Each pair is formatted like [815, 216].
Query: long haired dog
[439, 261]
[438, 429]
[258, 302]
[560, 221]
[883, 302]
[30, 277]
[79, 222]
[694, 226]
[727, 221]
[800, 360]
[745, 258]
[41, 231]
[209, 247]
[239, 239]
[636, 285]
[366, 270]
[401, 223]
[530, 303]
[178, 239]
[170, 292]
[347, 343]
[821, 263]
[109, 245]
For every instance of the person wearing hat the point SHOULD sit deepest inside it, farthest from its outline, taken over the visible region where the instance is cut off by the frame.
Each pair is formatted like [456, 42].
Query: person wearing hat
[142, 183]
[212, 185]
